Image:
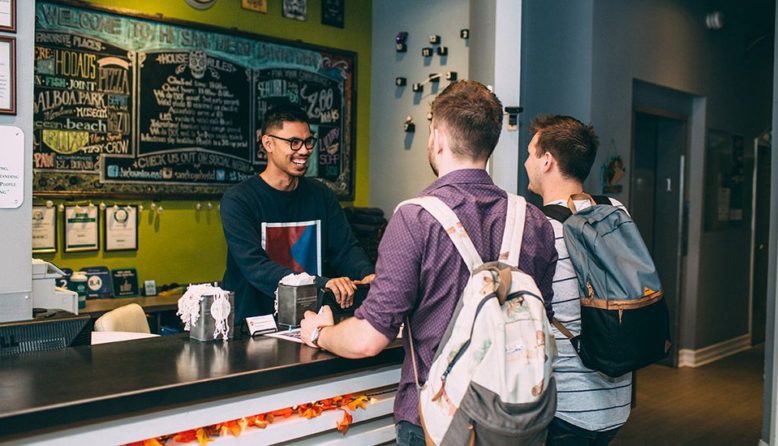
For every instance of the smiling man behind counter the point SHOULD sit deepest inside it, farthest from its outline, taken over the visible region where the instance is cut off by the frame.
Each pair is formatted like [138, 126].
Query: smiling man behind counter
[280, 222]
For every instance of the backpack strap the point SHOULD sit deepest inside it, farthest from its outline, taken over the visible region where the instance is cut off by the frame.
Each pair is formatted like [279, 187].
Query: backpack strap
[602, 199]
[413, 353]
[561, 213]
[562, 329]
[557, 212]
[453, 227]
[510, 249]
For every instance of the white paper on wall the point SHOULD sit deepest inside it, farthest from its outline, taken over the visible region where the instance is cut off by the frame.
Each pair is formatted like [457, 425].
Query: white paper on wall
[11, 167]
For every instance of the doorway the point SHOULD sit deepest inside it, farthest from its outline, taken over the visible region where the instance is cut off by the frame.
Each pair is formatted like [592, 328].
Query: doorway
[658, 205]
[761, 237]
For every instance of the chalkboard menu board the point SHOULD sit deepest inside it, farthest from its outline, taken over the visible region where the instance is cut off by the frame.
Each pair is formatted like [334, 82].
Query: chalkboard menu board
[129, 105]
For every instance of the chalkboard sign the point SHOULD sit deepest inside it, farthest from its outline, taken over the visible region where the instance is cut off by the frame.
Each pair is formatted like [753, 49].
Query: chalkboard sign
[129, 105]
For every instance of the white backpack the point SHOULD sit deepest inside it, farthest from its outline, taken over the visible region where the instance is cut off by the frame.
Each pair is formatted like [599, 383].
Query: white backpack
[490, 381]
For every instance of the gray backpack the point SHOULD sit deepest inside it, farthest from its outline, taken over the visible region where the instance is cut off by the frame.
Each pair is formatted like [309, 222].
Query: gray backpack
[624, 319]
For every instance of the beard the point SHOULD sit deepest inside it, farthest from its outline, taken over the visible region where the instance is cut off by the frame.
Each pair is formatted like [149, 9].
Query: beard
[432, 162]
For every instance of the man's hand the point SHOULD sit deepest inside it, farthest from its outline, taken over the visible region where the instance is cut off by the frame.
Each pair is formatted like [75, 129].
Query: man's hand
[313, 320]
[343, 288]
[365, 280]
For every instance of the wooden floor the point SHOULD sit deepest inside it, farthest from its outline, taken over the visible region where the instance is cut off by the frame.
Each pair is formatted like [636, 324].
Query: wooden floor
[716, 404]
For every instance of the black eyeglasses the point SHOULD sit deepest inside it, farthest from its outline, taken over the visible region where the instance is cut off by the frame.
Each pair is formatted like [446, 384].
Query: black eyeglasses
[296, 143]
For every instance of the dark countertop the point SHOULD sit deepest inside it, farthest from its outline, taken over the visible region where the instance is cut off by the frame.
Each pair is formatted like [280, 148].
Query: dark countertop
[56, 389]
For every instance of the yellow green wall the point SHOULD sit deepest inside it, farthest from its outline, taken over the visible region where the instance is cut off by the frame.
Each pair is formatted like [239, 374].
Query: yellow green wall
[185, 245]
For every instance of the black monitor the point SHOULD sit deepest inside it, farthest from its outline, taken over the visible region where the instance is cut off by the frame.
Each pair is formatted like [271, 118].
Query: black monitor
[51, 330]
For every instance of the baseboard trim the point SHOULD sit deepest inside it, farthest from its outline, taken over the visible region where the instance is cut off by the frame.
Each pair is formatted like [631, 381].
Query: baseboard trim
[706, 355]
[762, 443]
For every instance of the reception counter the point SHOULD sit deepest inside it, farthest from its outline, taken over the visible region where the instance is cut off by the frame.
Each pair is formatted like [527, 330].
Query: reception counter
[122, 392]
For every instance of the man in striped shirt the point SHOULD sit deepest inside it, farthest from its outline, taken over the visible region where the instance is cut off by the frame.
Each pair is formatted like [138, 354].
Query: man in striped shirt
[591, 406]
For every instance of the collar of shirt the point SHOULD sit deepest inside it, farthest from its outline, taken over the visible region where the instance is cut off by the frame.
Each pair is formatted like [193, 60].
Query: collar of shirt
[462, 176]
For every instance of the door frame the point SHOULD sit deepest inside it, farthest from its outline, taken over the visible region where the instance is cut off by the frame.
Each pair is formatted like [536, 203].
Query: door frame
[757, 143]
[683, 218]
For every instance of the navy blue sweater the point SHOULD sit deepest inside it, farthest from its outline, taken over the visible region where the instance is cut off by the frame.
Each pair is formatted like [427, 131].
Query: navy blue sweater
[271, 233]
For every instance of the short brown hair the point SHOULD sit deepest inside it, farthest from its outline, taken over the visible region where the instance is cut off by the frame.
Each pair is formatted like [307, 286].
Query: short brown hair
[472, 116]
[572, 143]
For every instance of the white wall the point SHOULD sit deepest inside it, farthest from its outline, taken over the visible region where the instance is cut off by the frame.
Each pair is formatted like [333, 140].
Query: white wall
[495, 60]
[398, 161]
[16, 224]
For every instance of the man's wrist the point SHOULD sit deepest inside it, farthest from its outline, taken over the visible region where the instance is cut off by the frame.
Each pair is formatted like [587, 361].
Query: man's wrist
[316, 340]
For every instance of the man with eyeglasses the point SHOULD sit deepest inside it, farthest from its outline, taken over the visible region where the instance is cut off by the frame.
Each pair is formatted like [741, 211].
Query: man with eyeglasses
[280, 222]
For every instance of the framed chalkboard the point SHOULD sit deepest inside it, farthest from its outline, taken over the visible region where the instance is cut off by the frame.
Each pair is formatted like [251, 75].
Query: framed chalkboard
[129, 105]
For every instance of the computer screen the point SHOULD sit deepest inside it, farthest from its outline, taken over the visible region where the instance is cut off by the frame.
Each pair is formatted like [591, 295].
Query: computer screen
[52, 330]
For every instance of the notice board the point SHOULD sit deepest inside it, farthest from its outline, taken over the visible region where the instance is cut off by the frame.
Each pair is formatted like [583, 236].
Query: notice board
[135, 106]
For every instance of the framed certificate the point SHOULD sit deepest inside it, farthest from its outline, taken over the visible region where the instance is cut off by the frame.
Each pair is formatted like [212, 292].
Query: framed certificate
[7, 75]
[82, 225]
[255, 5]
[8, 16]
[44, 229]
[121, 228]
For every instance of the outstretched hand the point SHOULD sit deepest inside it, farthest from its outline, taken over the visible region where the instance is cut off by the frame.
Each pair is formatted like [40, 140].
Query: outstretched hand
[343, 288]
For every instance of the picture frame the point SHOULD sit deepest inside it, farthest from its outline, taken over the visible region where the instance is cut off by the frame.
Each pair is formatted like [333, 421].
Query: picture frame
[7, 75]
[726, 194]
[44, 229]
[295, 9]
[333, 12]
[121, 228]
[255, 5]
[8, 16]
[82, 228]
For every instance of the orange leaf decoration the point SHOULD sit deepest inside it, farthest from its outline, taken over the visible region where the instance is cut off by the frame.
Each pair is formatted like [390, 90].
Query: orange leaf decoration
[284, 413]
[185, 436]
[344, 424]
[234, 427]
[202, 437]
[358, 403]
[258, 421]
[302, 408]
[149, 442]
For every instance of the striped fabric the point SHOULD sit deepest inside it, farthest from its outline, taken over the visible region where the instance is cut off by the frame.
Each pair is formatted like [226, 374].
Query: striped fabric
[585, 398]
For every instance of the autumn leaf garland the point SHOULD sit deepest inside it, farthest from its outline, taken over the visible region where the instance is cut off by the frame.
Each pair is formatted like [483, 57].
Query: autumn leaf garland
[203, 435]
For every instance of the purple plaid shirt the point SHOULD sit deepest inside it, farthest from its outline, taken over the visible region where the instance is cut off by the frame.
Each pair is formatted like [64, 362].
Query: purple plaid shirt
[420, 273]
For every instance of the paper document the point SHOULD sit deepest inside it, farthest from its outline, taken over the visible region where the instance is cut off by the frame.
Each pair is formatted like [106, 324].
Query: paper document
[289, 335]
